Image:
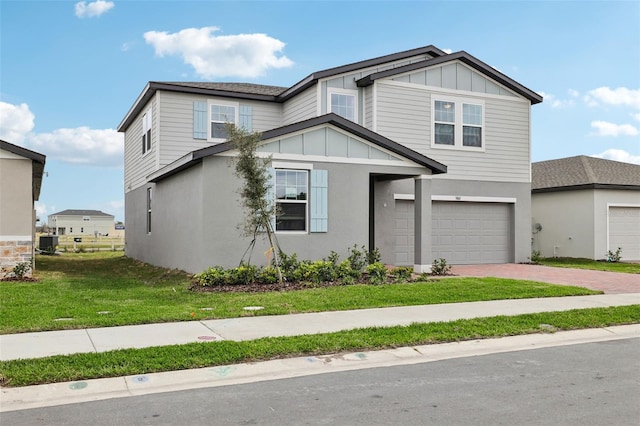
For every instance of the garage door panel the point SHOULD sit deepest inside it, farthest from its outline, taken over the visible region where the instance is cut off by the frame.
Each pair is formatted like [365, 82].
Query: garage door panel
[462, 233]
[624, 231]
[482, 233]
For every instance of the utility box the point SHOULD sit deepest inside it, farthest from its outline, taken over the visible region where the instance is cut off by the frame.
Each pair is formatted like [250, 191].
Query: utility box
[48, 242]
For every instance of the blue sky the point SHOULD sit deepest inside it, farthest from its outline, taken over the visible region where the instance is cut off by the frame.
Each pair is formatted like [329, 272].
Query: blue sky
[70, 71]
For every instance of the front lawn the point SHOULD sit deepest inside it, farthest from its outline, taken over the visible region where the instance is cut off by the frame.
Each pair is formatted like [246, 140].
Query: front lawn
[570, 262]
[108, 289]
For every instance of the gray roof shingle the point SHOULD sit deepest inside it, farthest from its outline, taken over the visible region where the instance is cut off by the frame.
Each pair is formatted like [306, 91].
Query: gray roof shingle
[81, 213]
[254, 89]
[583, 172]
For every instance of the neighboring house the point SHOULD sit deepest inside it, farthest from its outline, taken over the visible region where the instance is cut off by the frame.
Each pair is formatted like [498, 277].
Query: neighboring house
[585, 207]
[81, 222]
[21, 173]
[420, 154]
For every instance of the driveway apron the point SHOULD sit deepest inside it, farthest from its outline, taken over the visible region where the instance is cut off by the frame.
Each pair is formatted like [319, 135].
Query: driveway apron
[609, 282]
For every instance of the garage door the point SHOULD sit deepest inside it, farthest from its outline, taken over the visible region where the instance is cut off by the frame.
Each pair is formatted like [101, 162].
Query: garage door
[624, 231]
[404, 221]
[463, 232]
[472, 233]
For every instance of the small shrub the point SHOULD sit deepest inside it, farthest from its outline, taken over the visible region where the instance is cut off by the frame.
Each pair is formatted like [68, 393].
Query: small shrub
[213, 276]
[268, 275]
[614, 257]
[288, 265]
[21, 269]
[324, 271]
[374, 256]
[346, 274]
[243, 274]
[357, 258]
[535, 256]
[333, 257]
[401, 273]
[376, 273]
[440, 267]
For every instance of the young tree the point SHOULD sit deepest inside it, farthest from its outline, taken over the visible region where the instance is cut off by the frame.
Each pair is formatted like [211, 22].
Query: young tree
[256, 184]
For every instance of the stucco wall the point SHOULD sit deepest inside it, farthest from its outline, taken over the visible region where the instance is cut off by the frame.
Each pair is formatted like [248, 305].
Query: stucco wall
[567, 220]
[16, 212]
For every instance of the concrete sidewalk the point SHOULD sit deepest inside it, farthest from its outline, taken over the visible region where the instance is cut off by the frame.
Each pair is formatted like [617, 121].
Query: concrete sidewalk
[37, 345]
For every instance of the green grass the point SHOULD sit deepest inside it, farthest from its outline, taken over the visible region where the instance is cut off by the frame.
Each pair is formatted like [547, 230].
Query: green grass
[108, 289]
[197, 355]
[579, 263]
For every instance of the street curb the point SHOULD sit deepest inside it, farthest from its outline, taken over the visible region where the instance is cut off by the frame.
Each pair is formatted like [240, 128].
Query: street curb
[28, 397]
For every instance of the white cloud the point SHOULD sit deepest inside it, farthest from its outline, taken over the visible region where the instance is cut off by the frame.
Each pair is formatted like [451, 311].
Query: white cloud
[552, 100]
[447, 51]
[81, 145]
[16, 121]
[242, 55]
[636, 116]
[573, 93]
[619, 155]
[604, 128]
[96, 8]
[619, 96]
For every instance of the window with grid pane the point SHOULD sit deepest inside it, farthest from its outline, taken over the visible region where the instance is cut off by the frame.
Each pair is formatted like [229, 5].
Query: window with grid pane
[292, 187]
[220, 115]
[344, 105]
[445, 123]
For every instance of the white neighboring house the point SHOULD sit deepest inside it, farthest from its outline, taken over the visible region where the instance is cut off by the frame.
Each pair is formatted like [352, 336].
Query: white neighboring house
[81, 222]
[583, 207]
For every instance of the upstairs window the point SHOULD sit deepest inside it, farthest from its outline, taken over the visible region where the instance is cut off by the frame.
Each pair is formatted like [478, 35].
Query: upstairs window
[219, 116]
[344, 104]
[458, 124]
[146, 132]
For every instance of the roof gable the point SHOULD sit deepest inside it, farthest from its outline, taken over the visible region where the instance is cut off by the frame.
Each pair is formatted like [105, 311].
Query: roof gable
[583, 172]
[463, 57]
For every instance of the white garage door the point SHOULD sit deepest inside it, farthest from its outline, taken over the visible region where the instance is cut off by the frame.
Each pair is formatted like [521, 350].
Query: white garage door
[463, 233]
[624, 231]
[404, 232]
[472, 233]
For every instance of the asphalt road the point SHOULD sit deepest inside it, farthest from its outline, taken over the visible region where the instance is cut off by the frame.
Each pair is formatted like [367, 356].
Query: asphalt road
[587, 384]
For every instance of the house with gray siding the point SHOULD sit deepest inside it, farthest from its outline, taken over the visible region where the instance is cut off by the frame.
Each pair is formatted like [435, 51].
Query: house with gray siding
[421, 154]
[585, 207]
[21, 172]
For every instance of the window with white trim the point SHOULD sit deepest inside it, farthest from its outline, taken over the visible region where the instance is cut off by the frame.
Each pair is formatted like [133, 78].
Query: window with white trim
[291, 190]
[219, 115]
[146, 132]
[458, 124]
[344, 103]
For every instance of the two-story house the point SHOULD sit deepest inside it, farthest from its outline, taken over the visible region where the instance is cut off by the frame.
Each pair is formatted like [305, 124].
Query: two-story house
[420, 154]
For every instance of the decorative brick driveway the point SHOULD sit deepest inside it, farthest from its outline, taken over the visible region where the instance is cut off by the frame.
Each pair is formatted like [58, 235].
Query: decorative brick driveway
[609, 282]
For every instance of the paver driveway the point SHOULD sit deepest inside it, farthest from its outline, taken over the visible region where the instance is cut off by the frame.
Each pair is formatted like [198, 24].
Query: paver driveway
[609, 282]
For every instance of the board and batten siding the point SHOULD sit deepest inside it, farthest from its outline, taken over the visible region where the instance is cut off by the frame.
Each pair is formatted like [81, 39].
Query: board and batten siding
[300, 107]
[404, 115]
[176, 122]
[136, 165]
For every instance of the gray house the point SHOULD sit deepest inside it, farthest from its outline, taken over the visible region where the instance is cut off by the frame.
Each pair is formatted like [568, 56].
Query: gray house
[420, 153]
[21, 173]
[585, 207]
